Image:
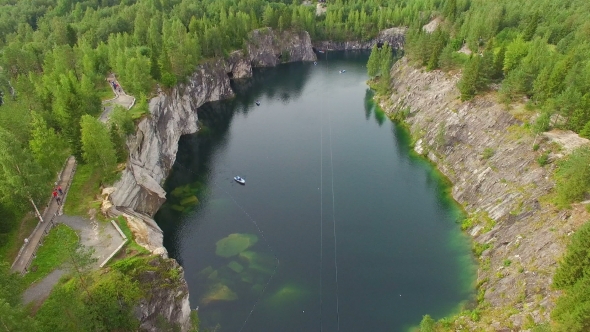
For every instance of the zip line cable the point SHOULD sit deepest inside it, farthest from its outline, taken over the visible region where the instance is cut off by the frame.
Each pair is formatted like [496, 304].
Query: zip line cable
[334, 222]
[263, 237]
[322, 212]
[269, 248]
[322, 206]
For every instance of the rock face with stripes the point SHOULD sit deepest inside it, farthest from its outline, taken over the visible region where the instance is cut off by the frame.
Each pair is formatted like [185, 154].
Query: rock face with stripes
[487, 153]
[152, 151]
[153, 147]
[396, 37]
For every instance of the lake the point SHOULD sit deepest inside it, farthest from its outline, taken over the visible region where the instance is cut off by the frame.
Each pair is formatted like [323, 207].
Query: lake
[338, 226]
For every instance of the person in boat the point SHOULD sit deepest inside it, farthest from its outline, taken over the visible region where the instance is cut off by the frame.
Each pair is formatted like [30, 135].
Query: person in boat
[258, 102]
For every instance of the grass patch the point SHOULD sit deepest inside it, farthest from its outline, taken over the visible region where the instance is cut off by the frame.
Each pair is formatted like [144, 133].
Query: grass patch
[80, 195]
[479, 248]
[50, 255]
[137, 113]
[15, 239]
[132, 249]
[488, 153]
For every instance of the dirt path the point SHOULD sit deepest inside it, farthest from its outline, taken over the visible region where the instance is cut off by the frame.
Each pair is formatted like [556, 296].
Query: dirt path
[102, 237]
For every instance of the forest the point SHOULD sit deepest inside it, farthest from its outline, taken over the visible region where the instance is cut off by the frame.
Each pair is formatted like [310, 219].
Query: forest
[55, 56]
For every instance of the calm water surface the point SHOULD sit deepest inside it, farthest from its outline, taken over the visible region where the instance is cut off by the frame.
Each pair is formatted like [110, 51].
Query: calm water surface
[337, 227]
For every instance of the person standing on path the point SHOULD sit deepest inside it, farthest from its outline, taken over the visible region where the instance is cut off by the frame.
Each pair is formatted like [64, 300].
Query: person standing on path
[61, 193]
[54, 193]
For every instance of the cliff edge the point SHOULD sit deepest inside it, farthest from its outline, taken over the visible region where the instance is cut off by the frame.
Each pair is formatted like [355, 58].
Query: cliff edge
[487, 153]
[152, 152]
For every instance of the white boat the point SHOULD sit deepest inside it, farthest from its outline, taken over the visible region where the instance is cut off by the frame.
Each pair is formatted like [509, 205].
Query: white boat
[239, 180]
[258, 103]
[342, 71]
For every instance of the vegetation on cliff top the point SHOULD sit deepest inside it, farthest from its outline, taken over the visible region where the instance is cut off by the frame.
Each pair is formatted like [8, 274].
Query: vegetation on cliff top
[533, 49]
[54, 57]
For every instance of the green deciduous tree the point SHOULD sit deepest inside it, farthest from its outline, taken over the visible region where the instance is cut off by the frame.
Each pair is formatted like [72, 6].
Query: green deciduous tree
[47, 147]
[22, 179]
[98, 150]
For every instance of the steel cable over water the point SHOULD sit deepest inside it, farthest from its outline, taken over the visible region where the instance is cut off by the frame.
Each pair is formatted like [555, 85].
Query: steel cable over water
[322, 204]
[321, 225]
[263, 237]
[334, 222]
[322, 212]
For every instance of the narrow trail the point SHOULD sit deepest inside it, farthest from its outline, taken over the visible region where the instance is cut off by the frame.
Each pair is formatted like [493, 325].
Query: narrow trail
[121, 98]
[103, 238]
[23, 260]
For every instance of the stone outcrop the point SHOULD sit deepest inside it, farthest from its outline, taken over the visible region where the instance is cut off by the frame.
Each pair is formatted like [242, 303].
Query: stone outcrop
[488, 155]
[167, 300]
[152, 151]
[267, 48]
[153, 147]
[394, 36]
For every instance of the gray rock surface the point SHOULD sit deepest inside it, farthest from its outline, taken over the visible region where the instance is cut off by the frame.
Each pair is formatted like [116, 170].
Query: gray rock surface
[168, 296]
[396, 37]
[267, 48]
[153, 147]
[152, 151]
[487, 153]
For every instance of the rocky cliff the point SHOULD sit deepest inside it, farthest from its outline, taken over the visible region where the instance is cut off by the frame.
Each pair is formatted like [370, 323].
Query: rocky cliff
[165, 306]
[153, 147]
[396, 37]
[152, 151]
[487, 153]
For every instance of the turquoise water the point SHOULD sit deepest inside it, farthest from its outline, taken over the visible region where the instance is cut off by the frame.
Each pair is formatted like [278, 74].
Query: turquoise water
[338, 227]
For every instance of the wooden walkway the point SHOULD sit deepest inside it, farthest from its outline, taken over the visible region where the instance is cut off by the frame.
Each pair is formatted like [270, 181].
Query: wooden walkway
[29, 249]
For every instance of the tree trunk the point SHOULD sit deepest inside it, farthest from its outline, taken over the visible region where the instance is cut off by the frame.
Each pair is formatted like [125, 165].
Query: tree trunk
[36, 210]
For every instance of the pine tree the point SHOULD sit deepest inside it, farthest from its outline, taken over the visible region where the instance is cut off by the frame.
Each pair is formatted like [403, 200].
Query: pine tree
[469, 80]
[373, 65]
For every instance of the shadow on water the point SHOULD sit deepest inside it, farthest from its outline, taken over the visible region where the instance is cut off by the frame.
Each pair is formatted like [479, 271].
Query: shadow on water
[188, 182]
[394, 232]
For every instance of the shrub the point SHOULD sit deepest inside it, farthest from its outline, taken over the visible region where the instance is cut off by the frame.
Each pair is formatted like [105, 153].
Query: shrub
[488, 153]
[543, 159]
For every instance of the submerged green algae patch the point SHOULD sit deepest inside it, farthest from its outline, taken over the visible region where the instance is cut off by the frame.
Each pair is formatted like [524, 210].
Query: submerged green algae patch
[191, 200]
[288, 294]
[235, 266]
[218, 292]
[260, 263]
[234, 244]
[206, 271]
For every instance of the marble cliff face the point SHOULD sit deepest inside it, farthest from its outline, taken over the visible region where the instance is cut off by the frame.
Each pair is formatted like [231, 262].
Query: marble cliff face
[152, 151]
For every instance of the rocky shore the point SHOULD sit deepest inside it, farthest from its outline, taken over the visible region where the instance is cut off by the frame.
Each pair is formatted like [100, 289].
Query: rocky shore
[487, 153]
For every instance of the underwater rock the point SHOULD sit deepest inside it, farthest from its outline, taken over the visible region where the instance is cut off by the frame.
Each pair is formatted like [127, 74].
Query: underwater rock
[234, 244]
[219, 292]
[191, 200]
[237, 267]
[287, 294]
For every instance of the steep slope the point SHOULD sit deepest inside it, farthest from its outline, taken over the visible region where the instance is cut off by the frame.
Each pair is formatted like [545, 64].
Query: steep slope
[487, 153]
[152, 152]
